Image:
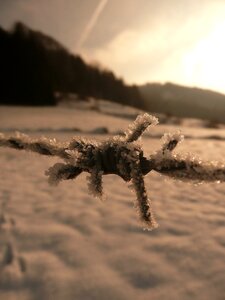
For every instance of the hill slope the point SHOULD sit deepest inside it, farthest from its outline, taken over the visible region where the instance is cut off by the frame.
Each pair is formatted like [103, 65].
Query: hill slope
[34, 67]
[184, 101]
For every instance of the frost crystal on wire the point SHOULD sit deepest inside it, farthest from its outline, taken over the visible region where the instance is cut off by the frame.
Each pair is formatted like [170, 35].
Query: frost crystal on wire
[123, 156]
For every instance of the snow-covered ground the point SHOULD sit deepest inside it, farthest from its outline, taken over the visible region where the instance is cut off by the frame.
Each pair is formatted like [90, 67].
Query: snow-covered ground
[61, 243]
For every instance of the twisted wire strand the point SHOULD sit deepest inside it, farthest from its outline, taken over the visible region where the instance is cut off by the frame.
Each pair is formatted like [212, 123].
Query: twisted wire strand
[189, 168]
[181, 167]
[41, 146]
[122, 156]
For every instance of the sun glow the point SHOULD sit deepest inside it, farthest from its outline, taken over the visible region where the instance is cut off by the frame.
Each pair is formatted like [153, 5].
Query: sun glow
[205, 62]
[191, 52]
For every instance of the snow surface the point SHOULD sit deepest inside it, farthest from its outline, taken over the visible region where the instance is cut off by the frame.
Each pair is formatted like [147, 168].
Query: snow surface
[61, 243]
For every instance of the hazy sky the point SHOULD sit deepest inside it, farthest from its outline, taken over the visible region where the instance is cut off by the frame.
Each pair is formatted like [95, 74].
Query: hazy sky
[181, 41]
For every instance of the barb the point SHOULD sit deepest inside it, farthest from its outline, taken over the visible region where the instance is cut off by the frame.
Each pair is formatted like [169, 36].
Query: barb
[123, 156]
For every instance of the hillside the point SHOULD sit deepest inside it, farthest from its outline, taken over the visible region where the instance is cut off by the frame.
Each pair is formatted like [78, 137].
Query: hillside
[35, 68]
[184, 101]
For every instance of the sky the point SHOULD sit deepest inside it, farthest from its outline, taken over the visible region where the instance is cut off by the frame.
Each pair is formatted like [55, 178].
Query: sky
[179, 41]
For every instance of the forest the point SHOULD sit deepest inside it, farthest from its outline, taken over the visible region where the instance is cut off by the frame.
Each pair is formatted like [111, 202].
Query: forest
[36, 69]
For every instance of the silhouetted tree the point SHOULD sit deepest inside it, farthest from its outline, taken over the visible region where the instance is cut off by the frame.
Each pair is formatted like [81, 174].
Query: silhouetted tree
[34, 66]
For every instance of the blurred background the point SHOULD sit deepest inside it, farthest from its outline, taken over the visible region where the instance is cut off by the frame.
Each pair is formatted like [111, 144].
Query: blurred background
[89, 67]
[161, 56]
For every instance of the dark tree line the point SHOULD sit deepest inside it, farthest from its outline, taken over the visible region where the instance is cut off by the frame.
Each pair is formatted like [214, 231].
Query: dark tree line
[35, 66]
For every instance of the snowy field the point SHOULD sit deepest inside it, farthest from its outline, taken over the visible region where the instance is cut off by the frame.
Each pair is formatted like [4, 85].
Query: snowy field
[61, 243]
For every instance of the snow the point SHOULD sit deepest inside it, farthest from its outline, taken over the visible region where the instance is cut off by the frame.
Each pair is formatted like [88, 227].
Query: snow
[61, 243]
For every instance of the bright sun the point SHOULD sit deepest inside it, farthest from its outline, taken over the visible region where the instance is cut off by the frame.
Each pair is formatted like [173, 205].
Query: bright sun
[204, 64]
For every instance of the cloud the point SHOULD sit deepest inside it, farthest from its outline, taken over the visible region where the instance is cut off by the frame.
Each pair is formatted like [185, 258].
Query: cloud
[158, 52]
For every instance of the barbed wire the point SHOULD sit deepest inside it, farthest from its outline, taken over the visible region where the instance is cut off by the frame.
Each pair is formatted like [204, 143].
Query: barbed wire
[121, 155]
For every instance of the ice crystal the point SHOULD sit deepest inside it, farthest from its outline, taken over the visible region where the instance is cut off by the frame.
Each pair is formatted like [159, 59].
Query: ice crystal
[121, 155]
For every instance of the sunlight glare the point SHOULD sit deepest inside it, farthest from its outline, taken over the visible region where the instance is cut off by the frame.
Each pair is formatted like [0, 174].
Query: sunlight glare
[205, 63]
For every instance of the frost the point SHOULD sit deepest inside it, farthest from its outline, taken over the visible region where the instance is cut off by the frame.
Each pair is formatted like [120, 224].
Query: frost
[95, 184]
[136, 129]
[143, 205]
[188, 168]
[170, 141]
[60, 171]
[123, 156]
